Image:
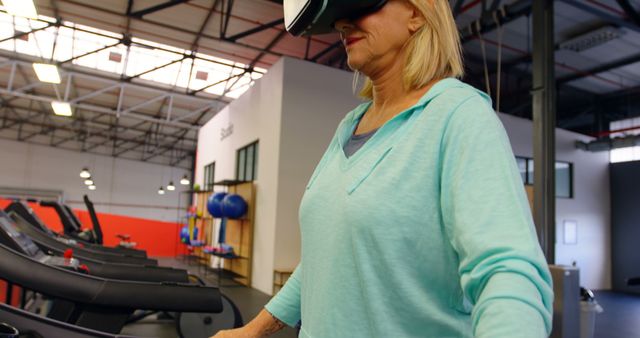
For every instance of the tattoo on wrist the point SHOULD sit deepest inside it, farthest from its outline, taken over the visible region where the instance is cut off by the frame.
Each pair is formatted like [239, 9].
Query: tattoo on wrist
[276, 326]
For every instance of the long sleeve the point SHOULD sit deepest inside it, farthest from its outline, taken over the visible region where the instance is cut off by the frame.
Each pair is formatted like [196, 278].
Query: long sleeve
[488, 221]
[285, 305]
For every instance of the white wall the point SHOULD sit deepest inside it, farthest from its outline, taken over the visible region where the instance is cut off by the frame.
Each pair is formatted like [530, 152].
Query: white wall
[124, 187]
[255, 116]
[590, 206]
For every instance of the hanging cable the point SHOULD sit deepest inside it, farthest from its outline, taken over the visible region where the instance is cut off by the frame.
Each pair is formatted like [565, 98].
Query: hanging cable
[484, 57]
[500, 30]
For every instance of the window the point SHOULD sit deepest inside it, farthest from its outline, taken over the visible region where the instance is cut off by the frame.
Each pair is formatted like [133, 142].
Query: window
[564, 175]
[563, 180]
[209, 175]
[247, 163]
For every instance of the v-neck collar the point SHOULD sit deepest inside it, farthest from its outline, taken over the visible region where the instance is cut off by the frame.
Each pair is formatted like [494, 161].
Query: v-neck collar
[389, 131]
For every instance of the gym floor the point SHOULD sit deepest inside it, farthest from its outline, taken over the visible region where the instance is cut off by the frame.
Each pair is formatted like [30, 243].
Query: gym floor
[621, 315]
[248, 300]
[620, 318]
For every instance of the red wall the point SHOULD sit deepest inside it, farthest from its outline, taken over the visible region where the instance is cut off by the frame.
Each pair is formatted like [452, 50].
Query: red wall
[15, 296]
[159, 239]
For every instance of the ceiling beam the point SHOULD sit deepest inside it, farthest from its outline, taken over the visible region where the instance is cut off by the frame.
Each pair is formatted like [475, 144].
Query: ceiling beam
[631, 12]
[326, 50]
[196, 41]
[271, 44]
[193, 92]
[225, 16]
[255, 30]
[89, 53]
[129, 78]
[600, 69]
[152, 9]
[21, 34]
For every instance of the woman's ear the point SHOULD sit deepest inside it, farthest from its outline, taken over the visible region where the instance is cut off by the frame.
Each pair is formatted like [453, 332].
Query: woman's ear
[416, 21]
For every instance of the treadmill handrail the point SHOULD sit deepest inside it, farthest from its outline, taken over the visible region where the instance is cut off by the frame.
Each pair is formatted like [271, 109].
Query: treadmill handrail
[77, 287]
[69, 227]
[97, 229]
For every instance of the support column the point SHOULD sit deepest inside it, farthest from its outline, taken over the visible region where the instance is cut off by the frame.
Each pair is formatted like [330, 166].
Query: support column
[544, 121]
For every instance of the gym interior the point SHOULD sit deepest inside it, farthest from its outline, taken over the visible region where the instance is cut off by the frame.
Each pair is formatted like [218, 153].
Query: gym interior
[155, 155]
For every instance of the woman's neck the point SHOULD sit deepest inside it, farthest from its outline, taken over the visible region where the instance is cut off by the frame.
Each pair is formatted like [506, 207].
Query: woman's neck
[388, 88]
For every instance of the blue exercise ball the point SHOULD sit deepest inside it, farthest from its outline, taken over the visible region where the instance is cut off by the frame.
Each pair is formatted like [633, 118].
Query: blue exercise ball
[214, 204]
[234, 206]
[185, 235]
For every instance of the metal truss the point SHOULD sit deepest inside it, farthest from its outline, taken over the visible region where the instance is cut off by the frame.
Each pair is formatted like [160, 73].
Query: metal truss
[143, 12]
[141, 121]
[125, 128]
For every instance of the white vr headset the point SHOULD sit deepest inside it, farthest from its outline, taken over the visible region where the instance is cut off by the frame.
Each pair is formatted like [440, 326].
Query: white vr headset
[309, 17]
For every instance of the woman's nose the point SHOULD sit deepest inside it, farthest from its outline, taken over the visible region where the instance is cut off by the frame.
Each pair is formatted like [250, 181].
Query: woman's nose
[343, 25]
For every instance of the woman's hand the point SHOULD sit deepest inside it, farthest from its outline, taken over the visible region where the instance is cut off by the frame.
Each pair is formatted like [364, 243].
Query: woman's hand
[235, 333]
[263, 325]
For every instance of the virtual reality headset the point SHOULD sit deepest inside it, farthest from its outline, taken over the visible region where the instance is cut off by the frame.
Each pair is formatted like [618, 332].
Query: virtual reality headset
[309, 17]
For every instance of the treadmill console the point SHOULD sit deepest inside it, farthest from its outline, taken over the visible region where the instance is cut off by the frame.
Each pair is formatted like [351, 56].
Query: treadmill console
[14, 239]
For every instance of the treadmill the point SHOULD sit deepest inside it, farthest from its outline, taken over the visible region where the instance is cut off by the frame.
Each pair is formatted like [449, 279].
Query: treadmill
[54, 246]
[97, 303]
[22, 209]
[73, 228]
[31, 325]
[12, 237]
[125, 239]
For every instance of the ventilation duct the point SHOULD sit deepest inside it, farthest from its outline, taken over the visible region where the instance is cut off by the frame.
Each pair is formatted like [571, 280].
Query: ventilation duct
[607, 144]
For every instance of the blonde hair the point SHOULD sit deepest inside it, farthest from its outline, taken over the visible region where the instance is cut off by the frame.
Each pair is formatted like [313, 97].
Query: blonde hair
[432, 52]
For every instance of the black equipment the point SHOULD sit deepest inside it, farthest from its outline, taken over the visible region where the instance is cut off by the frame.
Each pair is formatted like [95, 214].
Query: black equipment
[202, 323]
[52, 245]
[27, 214]
[310, 17]
[71, 229]
[102, 304]
[31, 325]
[12, 237]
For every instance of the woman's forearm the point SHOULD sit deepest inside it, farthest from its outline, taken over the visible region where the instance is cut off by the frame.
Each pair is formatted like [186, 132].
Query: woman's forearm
[264, 324]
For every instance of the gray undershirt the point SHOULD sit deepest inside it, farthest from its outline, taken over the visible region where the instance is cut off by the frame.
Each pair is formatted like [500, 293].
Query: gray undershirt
[355, 142]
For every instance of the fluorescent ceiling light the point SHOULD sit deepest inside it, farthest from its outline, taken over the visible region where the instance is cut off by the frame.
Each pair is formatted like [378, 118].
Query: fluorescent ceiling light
[47, 72]
[24, 8]
[61, 108]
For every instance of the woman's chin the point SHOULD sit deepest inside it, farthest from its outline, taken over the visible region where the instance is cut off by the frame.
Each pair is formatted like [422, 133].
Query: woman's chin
[355, 65]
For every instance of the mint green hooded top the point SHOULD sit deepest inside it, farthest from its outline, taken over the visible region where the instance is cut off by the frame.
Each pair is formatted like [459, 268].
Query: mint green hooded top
[424, 232]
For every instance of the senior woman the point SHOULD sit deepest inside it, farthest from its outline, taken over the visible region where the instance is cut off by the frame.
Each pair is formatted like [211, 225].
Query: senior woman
[415, 222]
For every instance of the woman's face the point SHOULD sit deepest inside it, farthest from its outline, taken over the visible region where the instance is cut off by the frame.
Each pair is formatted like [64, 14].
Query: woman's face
[374, 42]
